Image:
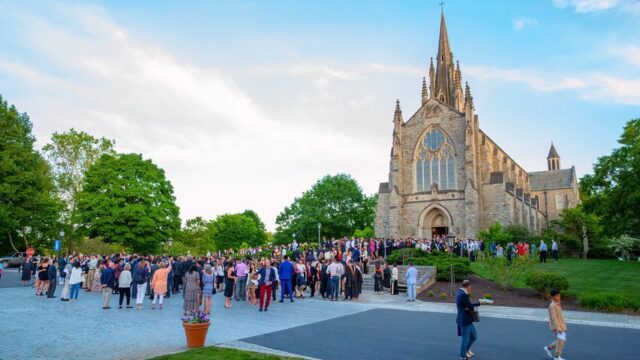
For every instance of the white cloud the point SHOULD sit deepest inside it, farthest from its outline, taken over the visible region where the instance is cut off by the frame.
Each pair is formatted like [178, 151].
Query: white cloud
[585, 6]
[521, 23]
[532, 78]
[629, 54]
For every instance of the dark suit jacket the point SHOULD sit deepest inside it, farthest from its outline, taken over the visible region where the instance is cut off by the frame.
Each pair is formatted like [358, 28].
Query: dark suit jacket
[465, 307]
[263, 276]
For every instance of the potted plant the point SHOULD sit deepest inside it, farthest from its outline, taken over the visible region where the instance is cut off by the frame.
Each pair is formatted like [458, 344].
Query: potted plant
[195, 328]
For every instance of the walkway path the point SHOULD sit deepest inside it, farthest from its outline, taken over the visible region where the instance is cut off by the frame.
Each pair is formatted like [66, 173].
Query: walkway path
[81, 329]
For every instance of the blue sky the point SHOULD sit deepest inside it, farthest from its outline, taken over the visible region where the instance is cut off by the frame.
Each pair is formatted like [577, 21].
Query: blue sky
[246, 104]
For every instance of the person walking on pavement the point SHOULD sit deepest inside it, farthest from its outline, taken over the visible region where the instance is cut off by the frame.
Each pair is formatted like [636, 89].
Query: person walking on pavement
[51, 291]
[411, 279]
[558, 326]
[464, 320]
[124, 286]
[241, 280]
[267, 277]
[108, 281]
[286, 272]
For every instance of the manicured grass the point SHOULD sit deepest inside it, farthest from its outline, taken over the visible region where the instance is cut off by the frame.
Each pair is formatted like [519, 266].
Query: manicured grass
[218, 353]
[586, 277]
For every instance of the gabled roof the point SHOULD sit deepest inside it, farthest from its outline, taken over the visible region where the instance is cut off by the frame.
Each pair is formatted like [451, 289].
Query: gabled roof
[553, 179]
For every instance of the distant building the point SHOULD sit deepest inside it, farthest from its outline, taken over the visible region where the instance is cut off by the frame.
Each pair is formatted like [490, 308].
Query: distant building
[447, 176]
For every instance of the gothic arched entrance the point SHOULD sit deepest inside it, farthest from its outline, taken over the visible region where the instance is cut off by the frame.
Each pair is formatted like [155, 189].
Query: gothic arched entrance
[434, 220]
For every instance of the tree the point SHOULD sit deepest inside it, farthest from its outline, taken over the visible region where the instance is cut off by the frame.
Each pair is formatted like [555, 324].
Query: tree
[612, 192]
[70, 155]
[127, 200]
[625, 246]
[336, 202]
[28, 205]
[495, 233]
[233, 231]
[261, 238]
[197, 234]
[575, 222]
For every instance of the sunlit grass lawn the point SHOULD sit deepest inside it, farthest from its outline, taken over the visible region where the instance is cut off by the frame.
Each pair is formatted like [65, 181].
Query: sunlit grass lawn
[218, 353]
[586, 276]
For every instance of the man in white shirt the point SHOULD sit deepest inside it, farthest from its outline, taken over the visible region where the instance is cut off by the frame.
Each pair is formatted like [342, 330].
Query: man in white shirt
[335, 272]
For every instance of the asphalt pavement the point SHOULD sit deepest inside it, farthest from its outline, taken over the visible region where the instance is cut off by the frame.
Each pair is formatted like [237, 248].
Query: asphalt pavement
[399, 334]
[11, 278]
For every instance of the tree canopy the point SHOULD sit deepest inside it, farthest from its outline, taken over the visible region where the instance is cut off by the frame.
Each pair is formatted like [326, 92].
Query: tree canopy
[127, 200]
[232, 231]
[28, 204]
[70, 154]
[336, 202]
[612, 192]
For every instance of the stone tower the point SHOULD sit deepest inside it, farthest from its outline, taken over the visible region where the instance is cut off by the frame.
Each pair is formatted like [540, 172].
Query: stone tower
[553, 159]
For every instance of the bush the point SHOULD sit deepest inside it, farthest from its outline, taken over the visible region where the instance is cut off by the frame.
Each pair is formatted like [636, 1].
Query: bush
[461, 267]
[430, 294]
[610, 302]
[504, 272]
[544, 282]
[487, 296]
[443, 295]
[403, 256]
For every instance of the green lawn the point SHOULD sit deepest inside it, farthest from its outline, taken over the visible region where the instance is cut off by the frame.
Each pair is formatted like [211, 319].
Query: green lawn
[587, 277]
[218, 353]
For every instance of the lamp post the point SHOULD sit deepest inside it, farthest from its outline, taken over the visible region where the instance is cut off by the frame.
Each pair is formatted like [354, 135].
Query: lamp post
[450, 243]
[385, 222]
[162, 243]
[59, 247]
[170, 243]
[319, 228]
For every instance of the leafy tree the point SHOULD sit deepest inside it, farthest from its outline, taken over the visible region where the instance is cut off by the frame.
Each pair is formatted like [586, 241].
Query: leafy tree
[234, 231]
[366, 233]
[612, 192]
[262, 234]
[495, 233]
[337, 202]
[625, 246]
[197, 234]
[518, 233]
[70, 155]
[28, 205]
[127, 200]
[575, 222]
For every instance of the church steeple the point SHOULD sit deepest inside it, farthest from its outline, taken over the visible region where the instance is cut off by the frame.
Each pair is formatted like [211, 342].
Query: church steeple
[445, 84]
[553, 159]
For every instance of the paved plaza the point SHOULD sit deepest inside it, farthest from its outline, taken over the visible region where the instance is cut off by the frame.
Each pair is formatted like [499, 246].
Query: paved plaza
[377, 327]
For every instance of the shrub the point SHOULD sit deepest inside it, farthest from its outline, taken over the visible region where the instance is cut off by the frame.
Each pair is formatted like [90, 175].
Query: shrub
[610, 302]
[430, 294]
[504, 272]
[461, 267]
[443, 295]
[543, 282]
[487, 296]
[403, 256]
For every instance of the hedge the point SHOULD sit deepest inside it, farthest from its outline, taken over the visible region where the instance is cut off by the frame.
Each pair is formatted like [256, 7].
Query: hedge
[544, 282]
[610, 302]
[442, 262]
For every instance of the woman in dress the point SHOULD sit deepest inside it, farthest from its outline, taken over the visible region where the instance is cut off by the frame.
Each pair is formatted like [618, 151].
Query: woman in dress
[252, 284]
[159, 284]
[96, 286]
[26, 268]
[219, 272]
[64, 296]
[43, 277]
[228, 284]
[208, 279]
[191, 290]
[377, 277]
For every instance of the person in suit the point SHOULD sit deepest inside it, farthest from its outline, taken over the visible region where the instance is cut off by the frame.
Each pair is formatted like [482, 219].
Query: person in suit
[285, 270]
[464, 320]
[267, 278]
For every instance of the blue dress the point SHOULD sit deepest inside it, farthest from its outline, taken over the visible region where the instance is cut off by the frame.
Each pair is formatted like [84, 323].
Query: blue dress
[207, 281]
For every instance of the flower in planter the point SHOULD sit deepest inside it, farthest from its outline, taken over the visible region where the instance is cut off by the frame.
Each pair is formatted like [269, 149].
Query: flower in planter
[488, 296]
[196, 318]
[443, 295]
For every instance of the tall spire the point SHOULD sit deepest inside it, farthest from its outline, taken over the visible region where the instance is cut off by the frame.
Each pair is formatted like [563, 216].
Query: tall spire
[553, 159]
[444, 89]
[425, 92]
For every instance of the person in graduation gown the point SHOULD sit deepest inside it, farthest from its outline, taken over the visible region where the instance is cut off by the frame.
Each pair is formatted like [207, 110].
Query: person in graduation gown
[348, 281]
[324, 279]
[357, 281]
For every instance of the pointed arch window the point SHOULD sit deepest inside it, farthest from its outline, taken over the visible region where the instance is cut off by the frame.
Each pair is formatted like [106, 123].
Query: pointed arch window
[435, 162]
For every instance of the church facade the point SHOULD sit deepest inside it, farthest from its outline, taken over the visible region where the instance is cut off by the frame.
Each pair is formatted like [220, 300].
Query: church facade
[446, 176]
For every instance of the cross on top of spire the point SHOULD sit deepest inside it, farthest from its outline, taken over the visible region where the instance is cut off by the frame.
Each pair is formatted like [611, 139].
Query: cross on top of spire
[441, 6]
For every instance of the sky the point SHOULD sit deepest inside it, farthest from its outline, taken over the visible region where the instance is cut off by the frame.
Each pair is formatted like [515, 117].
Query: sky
[246, 104]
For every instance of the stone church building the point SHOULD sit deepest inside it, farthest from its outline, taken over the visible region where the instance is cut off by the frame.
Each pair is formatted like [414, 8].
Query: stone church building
[446, 176]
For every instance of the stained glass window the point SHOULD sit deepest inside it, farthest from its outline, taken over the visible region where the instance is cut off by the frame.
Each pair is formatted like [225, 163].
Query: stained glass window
[435, 164]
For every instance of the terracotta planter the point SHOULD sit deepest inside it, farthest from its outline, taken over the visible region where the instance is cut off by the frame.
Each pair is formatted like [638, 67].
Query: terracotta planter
[196, 333]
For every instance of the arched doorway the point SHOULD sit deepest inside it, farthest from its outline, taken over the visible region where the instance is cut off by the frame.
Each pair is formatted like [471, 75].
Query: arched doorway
[434, 220]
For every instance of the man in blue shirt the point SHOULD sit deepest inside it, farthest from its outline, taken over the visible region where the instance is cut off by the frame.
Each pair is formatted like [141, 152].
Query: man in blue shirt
[285, 270]
[412, 279]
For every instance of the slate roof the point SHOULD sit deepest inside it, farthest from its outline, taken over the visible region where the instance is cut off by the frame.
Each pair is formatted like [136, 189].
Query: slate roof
[553, 179]
[552, 153]
[384, 188]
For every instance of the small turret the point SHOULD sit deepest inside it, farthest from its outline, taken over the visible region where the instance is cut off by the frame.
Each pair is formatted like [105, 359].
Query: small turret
[553, 159]
[425, 92]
